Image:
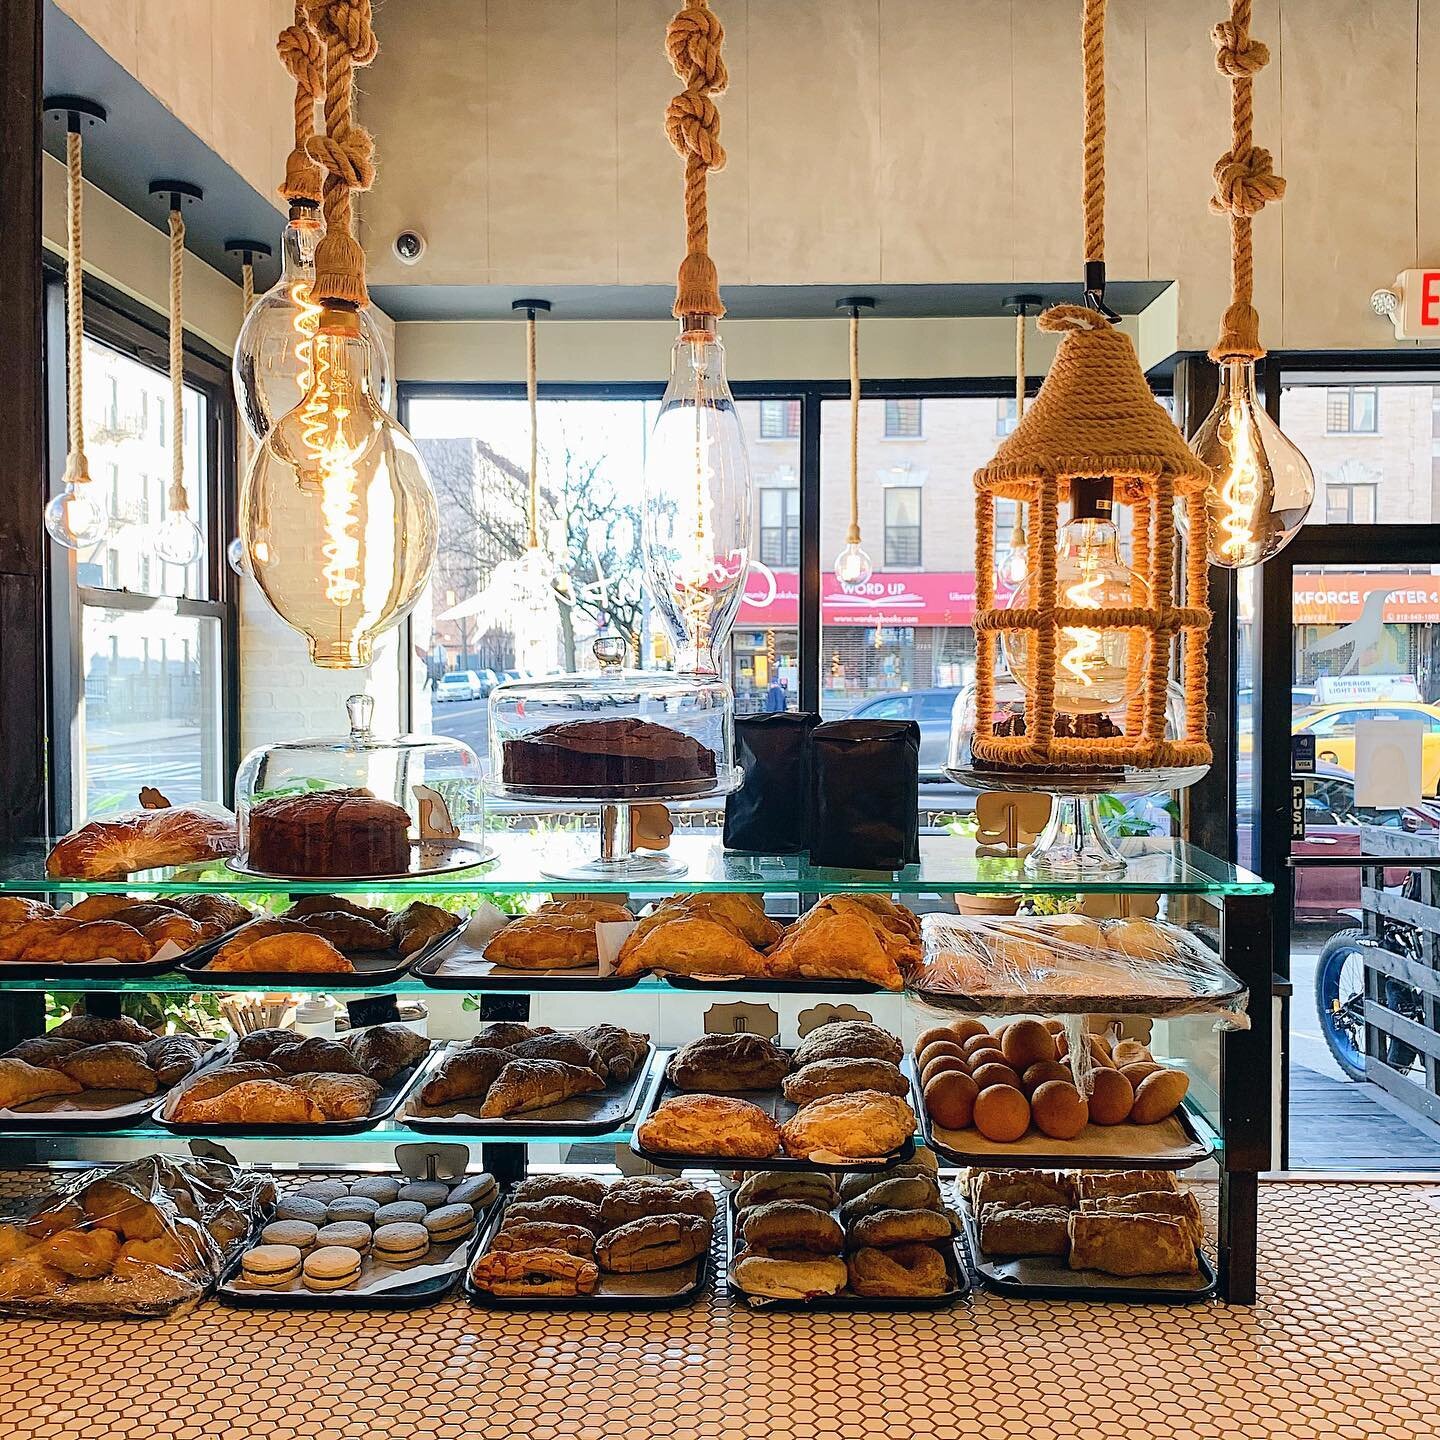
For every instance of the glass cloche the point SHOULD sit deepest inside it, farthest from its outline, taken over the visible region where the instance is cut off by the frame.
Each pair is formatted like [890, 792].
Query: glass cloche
[360, 805]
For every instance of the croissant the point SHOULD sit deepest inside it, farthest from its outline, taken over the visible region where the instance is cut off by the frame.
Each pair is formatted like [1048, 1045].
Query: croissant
[414, 927]
[180, 930]
[142, 840]
[689, 945]
[525, 1085]
[14, 909]
[466, 1073]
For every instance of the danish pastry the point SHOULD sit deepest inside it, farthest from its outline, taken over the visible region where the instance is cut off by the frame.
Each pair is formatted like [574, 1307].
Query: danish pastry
[900, 1270]
[534, 1272]
[710, 1125]
[655, 1242]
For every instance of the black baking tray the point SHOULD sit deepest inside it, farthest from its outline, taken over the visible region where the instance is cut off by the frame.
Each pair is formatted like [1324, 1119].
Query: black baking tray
[484, 974]
[60, 971]
[687, 1283]
[372, 967]
[955, 1262]
[1046, 1277]
[775, 1104]
[759, 985]
[402, 1297]
[600, 1112]
[385, 1104]
[119, 1117]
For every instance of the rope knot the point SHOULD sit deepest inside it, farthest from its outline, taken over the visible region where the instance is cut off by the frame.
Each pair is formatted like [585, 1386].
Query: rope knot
[346, 23]
[1236, 54]
[303, 54]
[348, 155]
[692, 42]
[1245, 184]
[692, 124]
[1060, 319]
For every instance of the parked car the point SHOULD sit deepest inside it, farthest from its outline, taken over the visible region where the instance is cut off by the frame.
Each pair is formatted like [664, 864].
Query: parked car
[459, 685]
[489, 679]
[931, 708]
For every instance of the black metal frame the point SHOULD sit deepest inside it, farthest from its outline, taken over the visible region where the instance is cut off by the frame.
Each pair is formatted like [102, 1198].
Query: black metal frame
[139, 333]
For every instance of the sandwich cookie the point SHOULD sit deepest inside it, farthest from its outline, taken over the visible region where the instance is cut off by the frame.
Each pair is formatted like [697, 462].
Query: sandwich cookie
[379, 1188]
[302, 1207]
[352, 1207]
[354, 1234]
[322, 1190]
[299, 1233]
[477, 1191]
[271, 1265]
[400, 1244]
[449, 1223]
[331, 1267]
[429, 1193]
[399, 1212]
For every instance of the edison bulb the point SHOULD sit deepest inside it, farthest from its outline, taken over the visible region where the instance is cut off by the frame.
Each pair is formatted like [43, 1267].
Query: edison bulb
[337, 512]
[1093, 672]
[271, 366]
[697, 501]
[178, 540]
[852, 566]
[76, 518]
[1263, 486]
[1014, 566]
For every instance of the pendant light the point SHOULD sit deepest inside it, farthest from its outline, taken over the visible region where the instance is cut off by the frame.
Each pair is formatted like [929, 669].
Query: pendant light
[698, 498]
[1263, 486]
[248, 251]
[852, 564]
[77, 517]
[271, 366]
[177, 540]
[337, 512]
[1015, 564]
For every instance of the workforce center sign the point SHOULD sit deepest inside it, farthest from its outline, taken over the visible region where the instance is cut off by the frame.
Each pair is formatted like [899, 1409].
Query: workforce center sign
[1334, 598]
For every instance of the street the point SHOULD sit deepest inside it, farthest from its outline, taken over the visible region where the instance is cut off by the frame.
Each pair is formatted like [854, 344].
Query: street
[467, 720]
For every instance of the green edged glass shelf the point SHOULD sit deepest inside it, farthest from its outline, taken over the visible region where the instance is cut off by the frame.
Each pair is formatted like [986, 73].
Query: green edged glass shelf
[385, 1132]
[948, 864]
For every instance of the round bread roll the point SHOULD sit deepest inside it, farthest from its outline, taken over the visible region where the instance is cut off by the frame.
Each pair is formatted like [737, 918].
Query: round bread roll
[1138, 1072]
[939, 1064]
[1059, 1110]
[936, 1032]
[1001, 1114]
[967, 1028]
[1025, 1042]
[1041, 1071]
[1055, 1025]
[940, 1047]
[989, 1055]
[987, 1075]
[1131, 1052]
[1158, 1095]
[950, 1099]
[1111, 1097]
[981, 1040]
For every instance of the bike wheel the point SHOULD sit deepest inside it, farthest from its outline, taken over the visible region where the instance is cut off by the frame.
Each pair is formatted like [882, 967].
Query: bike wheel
[1339, 1000]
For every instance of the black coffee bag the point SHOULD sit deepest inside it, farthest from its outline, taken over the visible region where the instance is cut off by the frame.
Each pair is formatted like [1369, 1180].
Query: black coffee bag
[770, 813]
[866, 789]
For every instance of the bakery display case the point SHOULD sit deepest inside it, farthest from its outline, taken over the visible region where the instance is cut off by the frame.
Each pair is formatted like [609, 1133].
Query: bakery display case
[360, 806]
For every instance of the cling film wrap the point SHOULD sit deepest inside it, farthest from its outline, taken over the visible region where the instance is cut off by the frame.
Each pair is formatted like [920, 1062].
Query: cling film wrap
[1071, 965]
[147, 1238]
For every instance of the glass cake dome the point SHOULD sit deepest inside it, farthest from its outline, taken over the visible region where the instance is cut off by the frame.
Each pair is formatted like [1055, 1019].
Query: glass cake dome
[360, 805]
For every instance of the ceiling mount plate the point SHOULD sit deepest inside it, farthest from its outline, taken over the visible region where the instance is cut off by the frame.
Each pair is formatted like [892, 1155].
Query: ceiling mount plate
[850, 303]
[77, 111]
[535, 305]
[1022, 304]
[178, 191]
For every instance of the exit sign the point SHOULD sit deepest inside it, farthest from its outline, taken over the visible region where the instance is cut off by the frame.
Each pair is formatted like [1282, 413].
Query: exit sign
[1418, 315]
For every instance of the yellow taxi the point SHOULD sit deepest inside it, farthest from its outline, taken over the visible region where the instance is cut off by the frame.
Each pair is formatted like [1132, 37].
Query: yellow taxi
[1333, 727]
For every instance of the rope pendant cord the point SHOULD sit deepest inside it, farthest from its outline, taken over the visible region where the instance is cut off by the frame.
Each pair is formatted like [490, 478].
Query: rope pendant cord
[1245, 181]
[303, 54]
[1017, 533]
[345, 152]
[692, 124]
[531, 387]
[179, 499]
[853, 537]
[77, 468]
[247, 300]
[1092, 38]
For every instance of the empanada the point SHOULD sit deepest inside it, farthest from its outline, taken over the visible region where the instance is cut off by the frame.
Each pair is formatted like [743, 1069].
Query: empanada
[43, 1049]
[99, 907]
[689, 945]
[15, 941]
[836, 946]
[414, 927]
[348, 932]
[464, 1074]
[543, 942]
[178, 930]
[260, 929]
[257, 1102]
[28, 1278]
[383, 1051]
[341, 1097]
[172, 1057]
[91, 940]
[113, 1065]
[296, 952]
[525, 1085]
[314, 1055]
[321, 904]
[20, 1083]
[16, 910]
[217, 1082]
[95, 1029]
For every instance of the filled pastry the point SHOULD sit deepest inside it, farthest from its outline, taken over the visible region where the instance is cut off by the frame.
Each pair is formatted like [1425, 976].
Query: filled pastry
[710, 1125]
[861, 1125]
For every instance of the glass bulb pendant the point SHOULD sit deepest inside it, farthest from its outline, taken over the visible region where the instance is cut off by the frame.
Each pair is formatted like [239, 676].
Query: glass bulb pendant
[1093, 672]
[852, 566]
[697, 501]
[76, 518]
[1014, 567]
[236, 558]
[1263, 486]
[178, 540]
[273, 352]
[337, 512]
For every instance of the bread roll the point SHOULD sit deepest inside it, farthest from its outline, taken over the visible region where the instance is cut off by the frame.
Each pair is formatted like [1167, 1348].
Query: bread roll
[1158, 1095]
[950, 1099]
[1059, 1110]
[991, 1074]
[1043, 1070]
[1111, 1097]
[938, 1065]
[1025, 1043]
[1001, 1114]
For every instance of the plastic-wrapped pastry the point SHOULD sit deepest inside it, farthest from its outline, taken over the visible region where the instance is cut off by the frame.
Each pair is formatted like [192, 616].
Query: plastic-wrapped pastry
[1131, 1244]
[113, 1065]
[142, 840]
[20, 1082]
[81, 1254]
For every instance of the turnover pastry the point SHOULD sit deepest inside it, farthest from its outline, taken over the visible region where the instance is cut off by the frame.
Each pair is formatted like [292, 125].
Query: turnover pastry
[688, 945]
[525, 1085]
[94, 1029]
[848, 1040]
[565, 1048]
[743, 913]
[313, 1053]
[844, 944]
[656, 1242]
[546, 1235]
[18, 936]
[340, 1097]
[42, 1049]
[555, 1209]
[1131, 1244]
[383, 1051]
[838, 1077]
[812, 1187]
[900, 1270]
[534, 1272]
[1012, 1231]
[1180, 1205]
[300, 953]
[413, 928]
[501, 1034]
[20, 1083]
[218, 1081]
[255, 1102]
[173, 929]
[710, 1125]
[863, 1125]
[727, 1062]
[550, 942]
[92, 940]
[348, 932]
[463, 1074]
[114, 1065]
[13, 908]
[642, 1196]
[327, 904]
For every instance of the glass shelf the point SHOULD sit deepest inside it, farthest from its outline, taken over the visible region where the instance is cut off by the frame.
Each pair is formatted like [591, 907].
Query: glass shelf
[178, 983]
[948, 863]
[386, 1132]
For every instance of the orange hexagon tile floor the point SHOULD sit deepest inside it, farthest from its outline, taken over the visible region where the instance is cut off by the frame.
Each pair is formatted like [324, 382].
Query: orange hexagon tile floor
[1345, 1343]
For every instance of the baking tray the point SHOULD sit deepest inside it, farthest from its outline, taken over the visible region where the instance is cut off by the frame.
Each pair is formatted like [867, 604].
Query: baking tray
[465, 968]
[60, 971]
[774, 1103]
[758, 984]
[231, 1291]
[1046, 1277]
[385, 1103]
[372, 967]
[955, 1263]
[653, 1290]
[117, 1114]
[598, 1113]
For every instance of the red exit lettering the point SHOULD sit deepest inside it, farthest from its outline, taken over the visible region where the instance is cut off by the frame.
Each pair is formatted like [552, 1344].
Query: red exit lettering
[1430, 297]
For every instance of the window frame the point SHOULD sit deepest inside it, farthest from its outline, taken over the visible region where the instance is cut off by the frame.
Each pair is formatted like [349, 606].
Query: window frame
[140, 334]
[897, 430]
[787, 527]
[917, 561]
[1350, 391]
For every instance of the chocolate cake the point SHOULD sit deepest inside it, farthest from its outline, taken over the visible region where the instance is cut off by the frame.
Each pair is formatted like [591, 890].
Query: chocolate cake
[628, 757]
[329, 833]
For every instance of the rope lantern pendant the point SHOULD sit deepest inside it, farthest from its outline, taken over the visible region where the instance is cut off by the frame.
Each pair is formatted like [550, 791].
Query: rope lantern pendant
[337, 514]
[271, 365]
[1089, 641]
[1015, 566]
[1263, 486]
[77, 517]
[177, 539]
[698, 497]
[852, 564]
